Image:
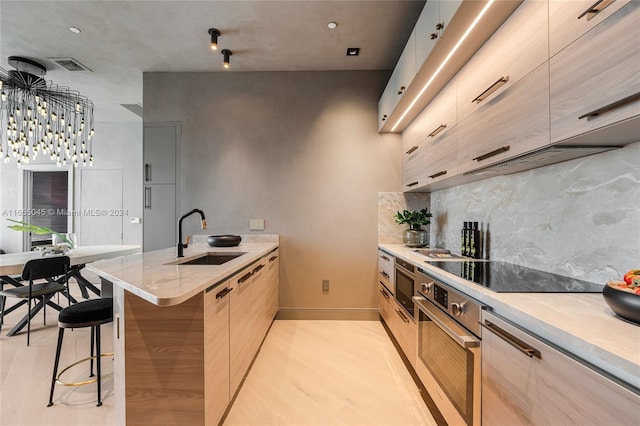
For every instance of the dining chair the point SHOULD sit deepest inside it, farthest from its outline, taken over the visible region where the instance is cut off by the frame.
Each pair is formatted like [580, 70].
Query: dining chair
[48, 268]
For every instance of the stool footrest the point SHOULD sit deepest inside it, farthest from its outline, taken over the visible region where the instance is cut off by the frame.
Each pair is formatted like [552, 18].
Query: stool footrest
[86, 382]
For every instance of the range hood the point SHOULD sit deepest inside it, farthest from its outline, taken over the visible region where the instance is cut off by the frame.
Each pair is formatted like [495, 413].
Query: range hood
[541, 157]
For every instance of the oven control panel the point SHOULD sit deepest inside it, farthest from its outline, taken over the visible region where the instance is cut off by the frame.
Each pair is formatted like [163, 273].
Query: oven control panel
[465, 309]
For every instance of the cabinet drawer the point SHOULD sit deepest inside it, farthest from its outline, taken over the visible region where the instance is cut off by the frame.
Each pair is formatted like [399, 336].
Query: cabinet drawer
[598, 70]
[568, 20]
[548, 387]
[497, 66]
[514, 122]
[385, 270]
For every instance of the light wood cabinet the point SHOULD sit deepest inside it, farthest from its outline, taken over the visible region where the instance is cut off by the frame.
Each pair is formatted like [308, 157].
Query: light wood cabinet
[216, 348]
[526, 381]
[514, 122]
[401, 324]
[273, 273]
[518, 47]
[260, 305]
[592, 77]
[569, 20]
[240, 327]
[385, 270]
[432, 137]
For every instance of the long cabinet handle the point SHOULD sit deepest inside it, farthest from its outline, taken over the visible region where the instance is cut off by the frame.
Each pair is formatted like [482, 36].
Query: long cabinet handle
[384, 274]
[437, 130]
[608, 108]
[495, 86]
[245, 277]
[595, 8]
[147, 172]
[223, 293]
[512, 340]
[413, 183]
[147, 197]
[412, 149]
[383, 257]
[384, 293]
[272, 258]
[399, 312]
[492, 153]
[257, 269]
[435, 175]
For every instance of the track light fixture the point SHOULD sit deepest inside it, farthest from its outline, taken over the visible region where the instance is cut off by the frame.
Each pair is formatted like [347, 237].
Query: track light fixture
[214, 38]
[226, 53]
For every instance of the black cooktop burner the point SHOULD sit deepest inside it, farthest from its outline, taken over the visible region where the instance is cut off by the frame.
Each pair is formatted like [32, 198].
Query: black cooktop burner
[504, 277]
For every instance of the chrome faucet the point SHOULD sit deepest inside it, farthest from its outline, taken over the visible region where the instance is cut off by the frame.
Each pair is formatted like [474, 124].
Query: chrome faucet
[181, 246]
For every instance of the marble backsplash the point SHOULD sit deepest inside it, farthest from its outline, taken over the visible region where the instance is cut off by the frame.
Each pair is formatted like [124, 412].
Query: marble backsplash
[579, 218]
[390, 203]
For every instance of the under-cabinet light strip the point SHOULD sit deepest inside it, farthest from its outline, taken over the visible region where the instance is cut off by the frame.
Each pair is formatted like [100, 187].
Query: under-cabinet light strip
[435, 74]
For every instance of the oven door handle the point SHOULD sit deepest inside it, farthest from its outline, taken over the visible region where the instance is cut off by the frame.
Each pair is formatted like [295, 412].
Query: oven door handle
[446, 324]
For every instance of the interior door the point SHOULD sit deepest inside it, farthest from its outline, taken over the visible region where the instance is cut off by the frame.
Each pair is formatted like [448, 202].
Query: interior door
[159, 224]
[102, 214]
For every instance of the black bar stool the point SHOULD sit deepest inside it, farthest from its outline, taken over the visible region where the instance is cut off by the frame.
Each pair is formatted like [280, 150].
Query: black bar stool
[90, 313]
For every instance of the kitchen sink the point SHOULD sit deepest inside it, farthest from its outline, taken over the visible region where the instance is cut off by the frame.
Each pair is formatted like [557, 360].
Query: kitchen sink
[211, 259]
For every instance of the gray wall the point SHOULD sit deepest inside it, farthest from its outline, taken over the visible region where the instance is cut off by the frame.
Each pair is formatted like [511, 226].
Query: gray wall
[298, 149]
[116, 146]
[580, 218]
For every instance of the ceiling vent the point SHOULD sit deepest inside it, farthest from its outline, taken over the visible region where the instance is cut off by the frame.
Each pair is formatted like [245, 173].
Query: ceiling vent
[69, 64]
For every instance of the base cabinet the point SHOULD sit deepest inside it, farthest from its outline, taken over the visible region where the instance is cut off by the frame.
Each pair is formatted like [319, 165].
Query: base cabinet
[401, 324]
[528, 382]
[182, 364]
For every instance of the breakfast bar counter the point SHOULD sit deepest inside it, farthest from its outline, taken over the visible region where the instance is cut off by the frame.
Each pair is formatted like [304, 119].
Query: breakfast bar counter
[182, 324]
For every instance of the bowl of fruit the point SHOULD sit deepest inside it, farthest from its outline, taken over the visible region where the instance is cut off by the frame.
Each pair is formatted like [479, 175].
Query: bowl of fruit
[623, 297]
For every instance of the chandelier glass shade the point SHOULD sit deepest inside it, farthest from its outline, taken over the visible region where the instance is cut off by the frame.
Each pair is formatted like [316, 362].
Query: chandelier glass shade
[41, 118]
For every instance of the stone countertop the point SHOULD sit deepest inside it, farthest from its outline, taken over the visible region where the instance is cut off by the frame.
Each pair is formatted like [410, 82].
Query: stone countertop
[580, 323]
[155, 277]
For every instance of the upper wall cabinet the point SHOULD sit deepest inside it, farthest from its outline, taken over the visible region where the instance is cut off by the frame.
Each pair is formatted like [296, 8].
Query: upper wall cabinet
[434, 53]
[399, 81]
[433, 20]
[595, 82]
[568, 20]
[518, 47]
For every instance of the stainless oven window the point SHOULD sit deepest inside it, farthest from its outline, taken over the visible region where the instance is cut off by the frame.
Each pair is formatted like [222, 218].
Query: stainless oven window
[404, 290]
[449, 363]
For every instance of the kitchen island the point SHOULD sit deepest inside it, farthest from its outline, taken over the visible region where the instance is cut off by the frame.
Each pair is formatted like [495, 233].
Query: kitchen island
[185, 334]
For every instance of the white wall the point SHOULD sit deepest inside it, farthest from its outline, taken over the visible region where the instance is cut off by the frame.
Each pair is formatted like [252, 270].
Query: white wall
[116, 146]
[580, 218]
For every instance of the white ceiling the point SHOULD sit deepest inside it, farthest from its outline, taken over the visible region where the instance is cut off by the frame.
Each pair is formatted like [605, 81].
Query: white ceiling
[122, 39]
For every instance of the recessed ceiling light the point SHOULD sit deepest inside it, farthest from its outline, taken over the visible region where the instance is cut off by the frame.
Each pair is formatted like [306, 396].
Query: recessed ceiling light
[75, 30]
[332, 25]
[353, 51]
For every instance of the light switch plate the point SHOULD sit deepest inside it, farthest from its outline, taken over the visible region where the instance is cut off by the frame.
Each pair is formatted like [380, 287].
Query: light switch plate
[136, 220]
[256, 224]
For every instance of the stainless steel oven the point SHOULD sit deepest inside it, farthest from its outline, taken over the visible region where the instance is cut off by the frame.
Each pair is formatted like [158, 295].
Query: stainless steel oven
[448, 349]
[405, 279]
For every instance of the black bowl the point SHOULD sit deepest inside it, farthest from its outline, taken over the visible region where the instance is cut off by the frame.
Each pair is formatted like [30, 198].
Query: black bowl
[623, 303]
[223, 240]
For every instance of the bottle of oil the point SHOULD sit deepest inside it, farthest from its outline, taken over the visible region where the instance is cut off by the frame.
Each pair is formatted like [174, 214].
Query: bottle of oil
[463, 240]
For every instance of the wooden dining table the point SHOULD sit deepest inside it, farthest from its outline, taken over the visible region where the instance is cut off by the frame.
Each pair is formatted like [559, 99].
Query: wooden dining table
[12, 264]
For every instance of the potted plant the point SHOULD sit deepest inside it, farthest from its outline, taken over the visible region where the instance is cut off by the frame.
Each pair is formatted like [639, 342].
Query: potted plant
[27, 227]
[415, 236]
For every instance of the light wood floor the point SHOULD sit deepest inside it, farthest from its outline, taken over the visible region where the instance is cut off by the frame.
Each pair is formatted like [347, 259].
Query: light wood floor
[307, 373]
[328, 373]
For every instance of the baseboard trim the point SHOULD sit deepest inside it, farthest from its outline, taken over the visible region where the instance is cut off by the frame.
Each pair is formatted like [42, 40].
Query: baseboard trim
[352, 314]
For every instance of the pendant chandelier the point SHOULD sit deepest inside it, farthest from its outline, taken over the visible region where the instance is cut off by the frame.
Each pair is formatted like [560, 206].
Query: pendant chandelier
[39, 117]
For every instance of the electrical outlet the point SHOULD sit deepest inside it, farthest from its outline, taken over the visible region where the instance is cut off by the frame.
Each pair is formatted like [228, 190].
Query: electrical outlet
[325, 286]
[256, 224]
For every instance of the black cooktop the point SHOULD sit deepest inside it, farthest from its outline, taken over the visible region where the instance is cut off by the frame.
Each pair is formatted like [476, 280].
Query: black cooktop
[504, 277]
